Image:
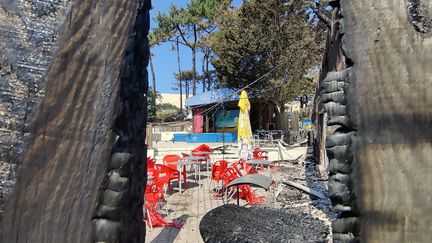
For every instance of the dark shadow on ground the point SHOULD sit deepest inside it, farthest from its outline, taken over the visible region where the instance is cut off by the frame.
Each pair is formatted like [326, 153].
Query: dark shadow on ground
[169, 234]
[175, 186]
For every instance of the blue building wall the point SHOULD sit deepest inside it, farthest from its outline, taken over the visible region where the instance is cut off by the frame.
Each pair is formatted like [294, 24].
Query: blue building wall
[206, 137]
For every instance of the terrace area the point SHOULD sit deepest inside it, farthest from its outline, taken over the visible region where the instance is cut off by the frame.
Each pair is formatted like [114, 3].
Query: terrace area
[311, 215]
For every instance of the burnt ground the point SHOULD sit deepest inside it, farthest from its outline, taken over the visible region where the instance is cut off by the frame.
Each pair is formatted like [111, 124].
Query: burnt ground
[232, 223]
[295, 217]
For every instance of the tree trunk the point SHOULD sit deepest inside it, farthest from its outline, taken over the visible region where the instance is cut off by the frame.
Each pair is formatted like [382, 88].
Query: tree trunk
[203, 75]
[187, 88]
[194, 84]
[281, 108]
[152, 73]
[82, 177]
[179, 71]
[194, 81]
[377, 98]
[207, 73]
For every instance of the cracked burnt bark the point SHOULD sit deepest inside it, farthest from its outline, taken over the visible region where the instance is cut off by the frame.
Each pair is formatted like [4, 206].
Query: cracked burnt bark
[83, 173]
[28, 41]
[379, 105]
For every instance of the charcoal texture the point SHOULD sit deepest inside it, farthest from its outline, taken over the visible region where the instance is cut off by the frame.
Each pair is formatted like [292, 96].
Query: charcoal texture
[28, 41]
[82, 174]
[232, 223]
[375, 89]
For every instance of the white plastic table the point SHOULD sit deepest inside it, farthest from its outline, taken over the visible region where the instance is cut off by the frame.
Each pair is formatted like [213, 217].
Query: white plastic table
[192, 161]
[259, 162]
[203, 155]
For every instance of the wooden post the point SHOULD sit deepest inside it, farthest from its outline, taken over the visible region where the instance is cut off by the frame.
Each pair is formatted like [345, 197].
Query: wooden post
[149, 137]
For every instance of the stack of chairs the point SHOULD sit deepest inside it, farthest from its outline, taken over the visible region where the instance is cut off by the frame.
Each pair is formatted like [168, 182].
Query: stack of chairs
[223, 172]
[154, 197]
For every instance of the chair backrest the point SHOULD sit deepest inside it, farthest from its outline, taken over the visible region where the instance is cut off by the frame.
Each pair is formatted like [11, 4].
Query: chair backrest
[150, 162]
[152, 175]
[185, 155]
[171, 158]
[171, 161]
[165, 169]
[218, 168]
[202, 148]
[229, 175]
[260, 154]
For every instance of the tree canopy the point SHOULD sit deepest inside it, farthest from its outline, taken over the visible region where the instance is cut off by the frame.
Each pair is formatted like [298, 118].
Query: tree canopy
[187, 26]
[276, 41]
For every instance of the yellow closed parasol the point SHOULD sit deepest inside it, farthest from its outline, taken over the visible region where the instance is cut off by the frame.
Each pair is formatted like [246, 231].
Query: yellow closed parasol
[244, 128]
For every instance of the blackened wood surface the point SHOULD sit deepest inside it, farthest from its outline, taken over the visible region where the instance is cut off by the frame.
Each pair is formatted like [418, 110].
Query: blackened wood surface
[28, 42]
[390, 107]
[59, 179]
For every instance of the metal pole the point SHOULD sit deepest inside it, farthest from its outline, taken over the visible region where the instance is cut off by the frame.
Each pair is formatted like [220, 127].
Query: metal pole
[238, 196]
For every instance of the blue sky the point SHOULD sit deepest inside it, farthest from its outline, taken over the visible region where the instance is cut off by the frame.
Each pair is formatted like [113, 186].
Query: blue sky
[165, 59]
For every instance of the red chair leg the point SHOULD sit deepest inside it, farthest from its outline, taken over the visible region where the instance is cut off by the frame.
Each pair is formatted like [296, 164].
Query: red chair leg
[184, 177]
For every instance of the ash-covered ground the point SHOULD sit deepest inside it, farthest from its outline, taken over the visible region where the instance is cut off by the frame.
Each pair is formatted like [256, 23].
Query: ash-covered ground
[295, 216]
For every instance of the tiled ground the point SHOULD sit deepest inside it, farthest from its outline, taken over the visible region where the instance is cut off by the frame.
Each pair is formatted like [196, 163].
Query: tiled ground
[191, 205]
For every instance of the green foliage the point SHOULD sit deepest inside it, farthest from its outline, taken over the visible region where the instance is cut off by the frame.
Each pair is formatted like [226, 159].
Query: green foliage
[262, 36]
[167, 106]
[186, 75]
[151, 105]
[188, 26]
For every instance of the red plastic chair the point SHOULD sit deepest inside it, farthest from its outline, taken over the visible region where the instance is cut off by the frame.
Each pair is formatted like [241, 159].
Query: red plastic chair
[202, 148]
[170, 174]
[153, 195]
[171, 161]
[260, 154]
[154, 185]
[235, 171]
[218, 169]
[198, 152]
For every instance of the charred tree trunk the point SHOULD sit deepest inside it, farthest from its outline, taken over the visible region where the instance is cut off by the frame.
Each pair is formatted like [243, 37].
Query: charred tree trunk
[83, 174]
[378, 101]
[27, 48]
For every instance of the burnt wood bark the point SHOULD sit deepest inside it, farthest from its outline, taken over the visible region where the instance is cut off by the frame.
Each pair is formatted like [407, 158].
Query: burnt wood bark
[83, 174]
[28, 41]
[380, 108]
